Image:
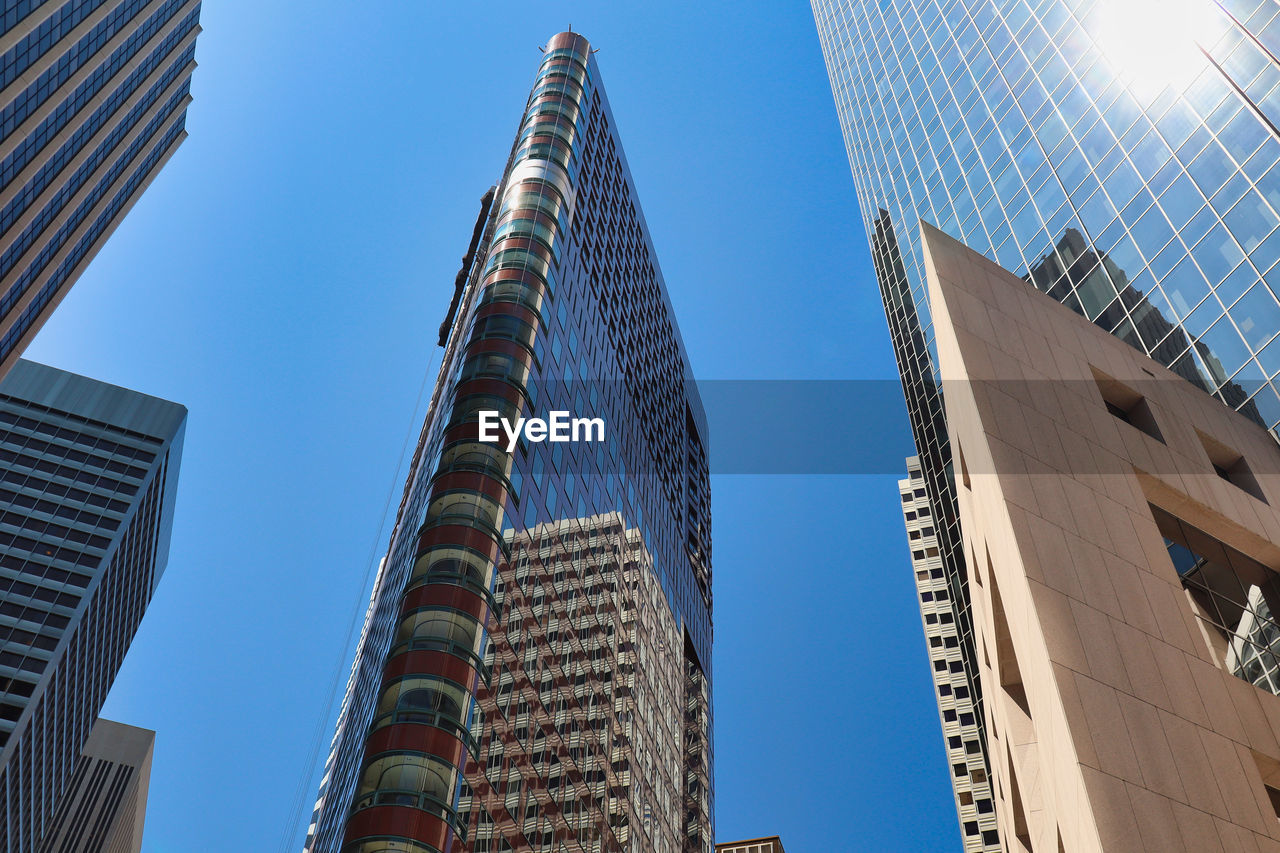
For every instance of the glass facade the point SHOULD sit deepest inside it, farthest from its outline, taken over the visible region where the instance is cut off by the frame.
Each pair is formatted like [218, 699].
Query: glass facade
[534, 670]
[93, 101]
[87, 484]
[1122, 157]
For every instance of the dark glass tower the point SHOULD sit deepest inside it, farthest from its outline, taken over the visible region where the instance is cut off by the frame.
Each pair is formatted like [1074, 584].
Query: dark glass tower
[93, 102]
[88, 473]
[1121, 156]
[534, 671]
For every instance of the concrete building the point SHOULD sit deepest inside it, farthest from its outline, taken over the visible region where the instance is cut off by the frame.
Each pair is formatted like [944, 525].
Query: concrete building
[956, 709]
[502, 697]
[1122, 155]
[599, 742]
[105, 805]
[88, 475]
[93, 103]
[1119, 527]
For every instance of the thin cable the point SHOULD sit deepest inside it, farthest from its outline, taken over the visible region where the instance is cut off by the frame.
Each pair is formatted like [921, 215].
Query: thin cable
[288, 835]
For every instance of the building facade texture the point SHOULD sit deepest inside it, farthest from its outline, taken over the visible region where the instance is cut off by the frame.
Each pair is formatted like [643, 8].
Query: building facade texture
[772, 844]
[959, 716]
[88, 473]
[93, 102]
[535, 668]
[105, 805]
[1120, 527]
[1123, 156]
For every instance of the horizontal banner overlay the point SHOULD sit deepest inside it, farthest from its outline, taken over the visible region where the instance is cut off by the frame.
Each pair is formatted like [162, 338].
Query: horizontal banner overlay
[860, 426]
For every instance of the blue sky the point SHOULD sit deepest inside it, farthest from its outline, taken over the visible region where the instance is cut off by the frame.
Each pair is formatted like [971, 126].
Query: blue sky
[284, 277]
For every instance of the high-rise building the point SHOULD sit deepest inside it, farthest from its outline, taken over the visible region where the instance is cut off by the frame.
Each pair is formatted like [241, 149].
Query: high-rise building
[1121, 529]
[970, 777]
[1123, 156]
[771, 844]
[535, 667]
[105, 805]
[88, 473]
[93, 102]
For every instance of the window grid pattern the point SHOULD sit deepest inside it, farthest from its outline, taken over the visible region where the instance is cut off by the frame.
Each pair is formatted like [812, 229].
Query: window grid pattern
[1234, 596]
[565, 311]
[970, 777]
[83, 521]
[99, 103]
[1018, 128]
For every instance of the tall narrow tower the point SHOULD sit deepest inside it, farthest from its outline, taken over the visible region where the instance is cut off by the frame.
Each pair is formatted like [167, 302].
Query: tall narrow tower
[535, 669]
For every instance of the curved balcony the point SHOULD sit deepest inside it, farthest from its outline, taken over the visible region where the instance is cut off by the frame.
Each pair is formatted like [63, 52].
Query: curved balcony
[414, 800]
[465, 581]
[440, 644]
[388, 844]
[474, 464]
[435, 719]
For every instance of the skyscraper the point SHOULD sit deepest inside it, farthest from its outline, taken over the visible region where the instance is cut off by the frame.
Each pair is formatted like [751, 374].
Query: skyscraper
[1121, 527]
[970, 776]
[1122, 156]
[93, 102]
[88, 473]
[535, 667]
[105, 805]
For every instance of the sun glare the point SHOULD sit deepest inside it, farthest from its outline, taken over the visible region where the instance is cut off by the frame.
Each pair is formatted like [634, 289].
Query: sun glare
[1152, 43]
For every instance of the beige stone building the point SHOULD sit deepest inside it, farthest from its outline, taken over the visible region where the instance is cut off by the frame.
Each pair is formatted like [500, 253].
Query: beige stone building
[1120, 527]
[105, 805]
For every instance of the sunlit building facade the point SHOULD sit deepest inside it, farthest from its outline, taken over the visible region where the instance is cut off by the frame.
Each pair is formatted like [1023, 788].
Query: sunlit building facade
[88, 478]
[1122, 156]
[534, 672]
[93, 103]
[1121, 530]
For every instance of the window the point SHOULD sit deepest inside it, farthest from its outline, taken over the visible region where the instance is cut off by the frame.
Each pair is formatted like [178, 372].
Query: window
[1235, 597]
[1230, 466]
[1269, 770]
[1127, 405]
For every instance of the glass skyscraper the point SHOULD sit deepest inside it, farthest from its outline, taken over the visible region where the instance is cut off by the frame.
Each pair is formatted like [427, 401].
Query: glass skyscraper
[88, 475]
[1121, 156]
[93, 102]
[534, 671]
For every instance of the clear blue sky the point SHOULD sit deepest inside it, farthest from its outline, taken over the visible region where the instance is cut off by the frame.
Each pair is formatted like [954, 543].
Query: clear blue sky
[284, 278]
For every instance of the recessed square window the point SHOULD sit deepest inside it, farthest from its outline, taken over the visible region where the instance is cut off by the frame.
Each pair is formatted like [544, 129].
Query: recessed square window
[1230, 465]
[1127, 405]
